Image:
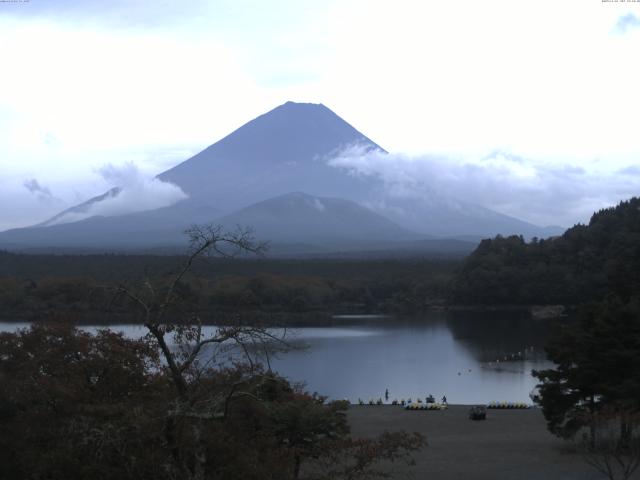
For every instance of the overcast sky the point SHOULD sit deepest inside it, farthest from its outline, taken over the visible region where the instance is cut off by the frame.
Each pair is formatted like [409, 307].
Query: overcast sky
[528, 107]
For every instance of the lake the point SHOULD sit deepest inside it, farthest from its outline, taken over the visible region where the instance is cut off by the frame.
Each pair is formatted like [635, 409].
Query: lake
[470, 357]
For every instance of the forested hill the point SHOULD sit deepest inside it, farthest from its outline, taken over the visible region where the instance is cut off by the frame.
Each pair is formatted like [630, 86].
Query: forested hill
[582, 265]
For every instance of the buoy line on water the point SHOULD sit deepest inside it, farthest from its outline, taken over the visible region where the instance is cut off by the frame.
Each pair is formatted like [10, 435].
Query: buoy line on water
[520, 355]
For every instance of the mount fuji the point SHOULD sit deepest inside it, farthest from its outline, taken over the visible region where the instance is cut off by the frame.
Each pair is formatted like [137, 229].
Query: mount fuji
[274, 174]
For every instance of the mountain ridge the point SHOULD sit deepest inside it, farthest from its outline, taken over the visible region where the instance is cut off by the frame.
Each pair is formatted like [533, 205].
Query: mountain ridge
[284, 150]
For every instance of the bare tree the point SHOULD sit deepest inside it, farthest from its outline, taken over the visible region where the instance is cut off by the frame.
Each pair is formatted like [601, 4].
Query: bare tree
[183, 342]
[304, 427]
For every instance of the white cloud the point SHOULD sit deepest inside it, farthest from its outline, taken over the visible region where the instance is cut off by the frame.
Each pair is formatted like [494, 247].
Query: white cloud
[627, 22]
[545, 78]
[26, 201]
[540, 192]
[74, 97]
[131, 191]
[70, 93]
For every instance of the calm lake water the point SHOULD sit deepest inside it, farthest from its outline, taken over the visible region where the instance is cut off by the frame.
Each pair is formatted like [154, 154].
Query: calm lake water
[469, 357]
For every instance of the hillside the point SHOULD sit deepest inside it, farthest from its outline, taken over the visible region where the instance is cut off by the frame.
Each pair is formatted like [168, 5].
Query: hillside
[298, 217]
[584, 264]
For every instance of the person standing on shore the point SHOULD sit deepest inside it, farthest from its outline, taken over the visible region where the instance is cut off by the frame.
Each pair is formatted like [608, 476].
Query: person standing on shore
[444, 399]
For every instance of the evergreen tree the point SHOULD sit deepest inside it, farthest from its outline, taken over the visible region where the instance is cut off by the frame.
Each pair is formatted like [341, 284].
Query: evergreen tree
[598, 367]
[585, 263]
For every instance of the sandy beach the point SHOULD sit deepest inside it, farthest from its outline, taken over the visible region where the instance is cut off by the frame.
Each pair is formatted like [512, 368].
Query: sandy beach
[509, 444]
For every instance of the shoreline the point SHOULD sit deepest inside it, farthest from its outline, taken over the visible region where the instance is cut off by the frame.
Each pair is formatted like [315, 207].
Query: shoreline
[100, 318]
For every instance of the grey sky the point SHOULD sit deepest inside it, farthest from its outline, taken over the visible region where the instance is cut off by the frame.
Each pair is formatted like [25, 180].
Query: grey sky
[95, 83]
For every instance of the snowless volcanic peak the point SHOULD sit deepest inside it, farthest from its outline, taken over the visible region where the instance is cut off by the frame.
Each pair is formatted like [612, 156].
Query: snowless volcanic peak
[247, 178]
[284, 138]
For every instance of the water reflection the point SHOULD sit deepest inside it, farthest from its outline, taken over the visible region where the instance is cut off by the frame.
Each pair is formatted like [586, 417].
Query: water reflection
[470, 357]
[457, 354]
[492, 336]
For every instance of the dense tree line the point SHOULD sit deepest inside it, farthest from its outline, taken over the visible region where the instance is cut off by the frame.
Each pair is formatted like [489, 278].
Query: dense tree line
[587, 262]
[29, 290]
[114, 266]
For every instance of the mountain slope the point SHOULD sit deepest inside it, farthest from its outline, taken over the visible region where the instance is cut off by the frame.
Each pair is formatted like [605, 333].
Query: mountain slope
[290, 134]
[79, 212]
[156, 228]
[301, 218]
[285, 150]
[296, 222]
[441, 215]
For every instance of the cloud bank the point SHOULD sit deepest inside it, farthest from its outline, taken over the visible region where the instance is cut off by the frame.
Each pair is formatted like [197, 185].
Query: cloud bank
[538, 192]
[131, 191]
